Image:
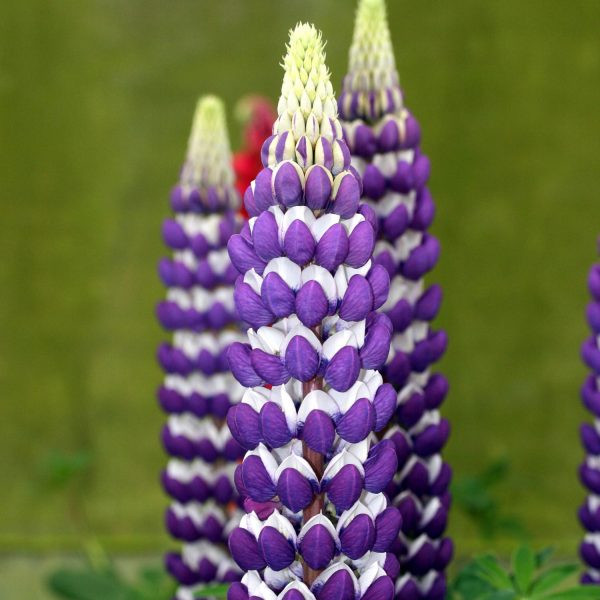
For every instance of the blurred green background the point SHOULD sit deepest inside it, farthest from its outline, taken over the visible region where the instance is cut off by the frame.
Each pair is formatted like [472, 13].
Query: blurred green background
[96, 100]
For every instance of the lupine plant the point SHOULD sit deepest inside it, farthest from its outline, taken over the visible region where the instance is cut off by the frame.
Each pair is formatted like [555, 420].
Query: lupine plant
[589, 513]
[318, 523]
[384, 140]
[198, 388]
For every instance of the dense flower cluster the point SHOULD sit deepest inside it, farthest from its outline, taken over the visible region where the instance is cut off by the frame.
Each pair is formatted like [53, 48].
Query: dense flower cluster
[318, 523]
[198, 388]
[384, 138]
[589, 513]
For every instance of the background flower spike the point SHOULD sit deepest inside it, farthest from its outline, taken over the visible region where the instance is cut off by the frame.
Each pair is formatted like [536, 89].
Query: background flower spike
[384, 139]
[308, 288]
[198, 387]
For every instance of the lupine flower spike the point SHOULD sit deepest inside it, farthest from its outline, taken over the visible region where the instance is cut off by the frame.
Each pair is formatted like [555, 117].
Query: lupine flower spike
[198, 388]
[384, 139]
[589, 513]
[318, 523]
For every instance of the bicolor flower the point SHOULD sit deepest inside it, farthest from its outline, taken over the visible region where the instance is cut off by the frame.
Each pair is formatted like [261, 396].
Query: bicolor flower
[319, 524]
[198, 388]
[589, 472]
[384, 141]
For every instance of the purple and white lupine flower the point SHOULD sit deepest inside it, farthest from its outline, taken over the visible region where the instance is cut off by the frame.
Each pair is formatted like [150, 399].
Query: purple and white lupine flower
[589, 472]
[384, 137]
[198, 388]
[318, 525]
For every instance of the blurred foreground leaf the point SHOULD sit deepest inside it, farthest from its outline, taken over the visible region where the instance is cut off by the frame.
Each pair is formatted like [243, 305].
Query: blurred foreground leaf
[527, 578]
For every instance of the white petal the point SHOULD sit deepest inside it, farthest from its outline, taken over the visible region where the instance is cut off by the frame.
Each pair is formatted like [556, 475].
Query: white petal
[289, 271]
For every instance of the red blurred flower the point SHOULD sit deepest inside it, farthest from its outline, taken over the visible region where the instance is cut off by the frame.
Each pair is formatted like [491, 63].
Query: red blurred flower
[258, 115]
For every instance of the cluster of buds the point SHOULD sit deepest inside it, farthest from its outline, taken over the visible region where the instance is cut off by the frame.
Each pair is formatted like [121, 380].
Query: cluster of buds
[384, 139]
[589, 513]
[319, 525]
[198, 388]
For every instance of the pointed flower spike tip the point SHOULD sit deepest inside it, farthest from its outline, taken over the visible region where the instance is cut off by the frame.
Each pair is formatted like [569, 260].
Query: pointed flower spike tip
[208, 160]
[371, 87]
[306, 90]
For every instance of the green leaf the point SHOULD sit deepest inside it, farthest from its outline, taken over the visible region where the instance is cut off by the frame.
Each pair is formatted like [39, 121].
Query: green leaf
[489, 570]
[543, 556]
[213, 591]
[552, 578]
[498, 595]
[580, 592]
[87, 585]
[523, 564]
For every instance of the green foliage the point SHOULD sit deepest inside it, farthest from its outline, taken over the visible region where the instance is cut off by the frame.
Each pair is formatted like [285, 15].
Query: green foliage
[526, 578]
[59, 469]
[215, 592]
[107, 584]
[474, 496]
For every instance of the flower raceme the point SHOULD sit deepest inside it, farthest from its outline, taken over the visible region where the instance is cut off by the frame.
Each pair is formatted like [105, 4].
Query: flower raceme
[318, 524]
[198, 388]
[384, 138]
[589, 472]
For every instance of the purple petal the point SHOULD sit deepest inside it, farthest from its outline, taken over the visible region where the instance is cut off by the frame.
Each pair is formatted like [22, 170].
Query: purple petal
[317, 547]
[424, 211]
[357, 537]
[317, 189]
[274, 426]
[381, 589]
[594, 282]
[287, 186]
[278, 552]
[294, 490]
[411, 409]
[237, 591]
[265, 236]
[421, 169]
[395, 223]
[387, 527]
[361, 243]
[318, 433]
[299, 244]
[301, 359]
[173, 235]
[376, 347]
[339, 586]
[263, 194]
[380, 285]
[244, 424]
[380, 466]
[347, 196]
[432, 439]
[373, 183]
[249, 203]
[343, 369]
[250, 306]
[311, 304]
[239, 359]
[358, 422]
[256, 479]
[242, 255]
[358, 299]
[365, 144]
[277, 295]
[269, 367]
[332, 248]
[389, 136]
[385, 404]
[345, 488]
[402, 180]
[397, 370]
[245, 551]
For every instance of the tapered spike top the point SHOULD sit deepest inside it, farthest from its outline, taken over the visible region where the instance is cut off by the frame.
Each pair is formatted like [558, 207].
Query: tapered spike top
[208, 159]
[307, 108]
[371, 88]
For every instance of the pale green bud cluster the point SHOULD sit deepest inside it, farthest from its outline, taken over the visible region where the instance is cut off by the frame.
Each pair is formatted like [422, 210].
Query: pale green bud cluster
[208, 159]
